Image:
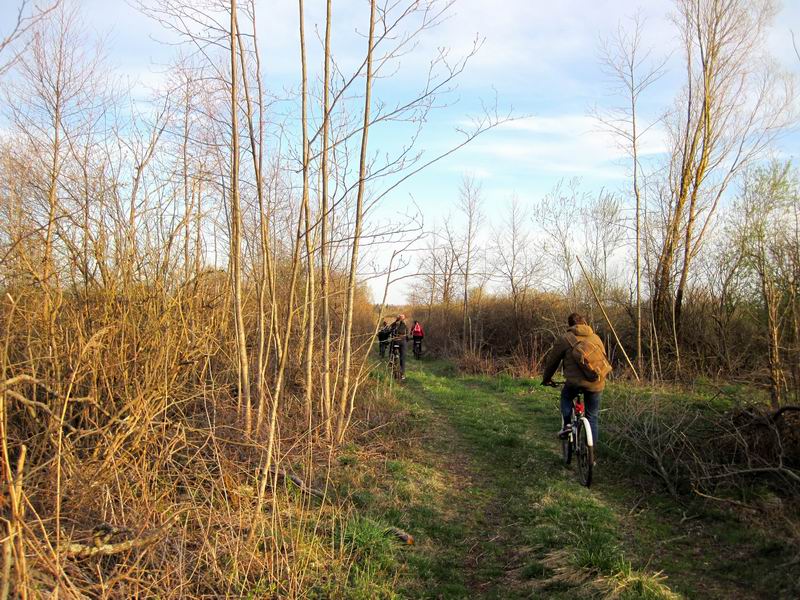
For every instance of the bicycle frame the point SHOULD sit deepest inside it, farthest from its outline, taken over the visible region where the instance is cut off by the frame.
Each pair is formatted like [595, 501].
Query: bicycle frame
[394, 359]
[585, 455]
[573, 444]
[579, 416]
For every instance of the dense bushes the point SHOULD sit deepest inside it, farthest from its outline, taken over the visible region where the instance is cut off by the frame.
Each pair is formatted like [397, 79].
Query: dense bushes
[720, 446]
[517, 335]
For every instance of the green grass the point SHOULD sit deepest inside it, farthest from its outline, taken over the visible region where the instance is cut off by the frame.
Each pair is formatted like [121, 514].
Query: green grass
[537, 531]
[472, 469]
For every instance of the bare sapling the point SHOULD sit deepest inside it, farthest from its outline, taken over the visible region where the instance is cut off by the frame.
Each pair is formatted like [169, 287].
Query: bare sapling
[632, 72]
[236, 224]
[347, 353]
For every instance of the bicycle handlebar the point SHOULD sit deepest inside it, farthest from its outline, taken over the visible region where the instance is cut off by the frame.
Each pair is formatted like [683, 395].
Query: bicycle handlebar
[553, 384]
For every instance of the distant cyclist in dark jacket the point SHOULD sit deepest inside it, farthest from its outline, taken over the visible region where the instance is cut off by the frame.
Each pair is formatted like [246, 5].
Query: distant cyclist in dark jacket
[399, 335]
[383, 338]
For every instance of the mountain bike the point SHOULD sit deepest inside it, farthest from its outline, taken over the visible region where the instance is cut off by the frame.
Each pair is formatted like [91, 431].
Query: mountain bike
[394, 361]
[417, 348]
[578, 440]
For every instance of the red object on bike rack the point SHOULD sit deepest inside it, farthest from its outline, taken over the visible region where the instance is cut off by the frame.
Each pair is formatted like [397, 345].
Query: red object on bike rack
[579, 407]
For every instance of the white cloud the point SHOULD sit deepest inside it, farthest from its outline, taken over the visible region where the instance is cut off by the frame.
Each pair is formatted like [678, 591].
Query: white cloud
[569, 144]
[475, 171]
[542, 40]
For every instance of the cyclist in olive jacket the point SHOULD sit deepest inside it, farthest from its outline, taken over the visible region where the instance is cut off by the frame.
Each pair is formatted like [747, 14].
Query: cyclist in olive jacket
[576, 382]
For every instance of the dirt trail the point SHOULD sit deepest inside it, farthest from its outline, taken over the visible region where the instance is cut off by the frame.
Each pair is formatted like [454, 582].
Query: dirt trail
[497, 515]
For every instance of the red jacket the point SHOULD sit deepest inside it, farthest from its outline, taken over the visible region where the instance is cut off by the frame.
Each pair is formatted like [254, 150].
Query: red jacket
[416, 331]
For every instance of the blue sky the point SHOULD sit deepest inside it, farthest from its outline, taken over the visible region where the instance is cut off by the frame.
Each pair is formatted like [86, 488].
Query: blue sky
[538, 56]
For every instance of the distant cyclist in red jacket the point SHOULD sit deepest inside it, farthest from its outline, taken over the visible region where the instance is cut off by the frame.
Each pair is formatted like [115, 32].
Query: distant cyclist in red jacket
[417, 333]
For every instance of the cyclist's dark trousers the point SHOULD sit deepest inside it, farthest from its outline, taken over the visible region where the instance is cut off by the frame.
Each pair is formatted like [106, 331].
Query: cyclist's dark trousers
[402, 351]
[591, 402]
[418, 343]
[382, 346]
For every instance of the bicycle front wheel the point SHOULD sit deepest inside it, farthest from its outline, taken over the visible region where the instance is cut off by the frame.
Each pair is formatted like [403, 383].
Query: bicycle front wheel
[396, 368]
[566, 450]
[585, 453]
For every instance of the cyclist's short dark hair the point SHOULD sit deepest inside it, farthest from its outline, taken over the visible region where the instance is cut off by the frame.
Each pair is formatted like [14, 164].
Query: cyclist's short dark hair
[576, 319]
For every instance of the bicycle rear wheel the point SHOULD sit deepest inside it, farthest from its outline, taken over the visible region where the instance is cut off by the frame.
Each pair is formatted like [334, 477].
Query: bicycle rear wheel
[585, 456]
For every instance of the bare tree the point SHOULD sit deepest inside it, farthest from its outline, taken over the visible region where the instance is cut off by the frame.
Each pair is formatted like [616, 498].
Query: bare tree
[514, 261]
[325, 290]
[266, 279]
[470, 200]
[57, 77]
[603, 232]
[236, 225]
[731, 108]
[631, 71]
[357, 231]
[557, 214]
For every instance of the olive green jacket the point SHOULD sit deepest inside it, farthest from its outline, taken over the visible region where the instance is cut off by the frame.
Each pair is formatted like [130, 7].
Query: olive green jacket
[561, 352]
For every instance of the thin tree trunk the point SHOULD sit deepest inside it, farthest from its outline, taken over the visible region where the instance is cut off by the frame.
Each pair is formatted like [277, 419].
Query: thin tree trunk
[188, 197]
[351, 281]
[311, 284]
[637, 194]
[235, 246]
[266, 280]
[282, 347]
[327, 407]
[771, 301]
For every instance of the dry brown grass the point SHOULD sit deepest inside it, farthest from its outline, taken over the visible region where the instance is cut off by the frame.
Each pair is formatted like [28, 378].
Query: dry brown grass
[130, 472]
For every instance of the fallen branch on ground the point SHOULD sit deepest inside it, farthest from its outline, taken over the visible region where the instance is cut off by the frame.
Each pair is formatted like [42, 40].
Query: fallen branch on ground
[283, 476]
[102, 546]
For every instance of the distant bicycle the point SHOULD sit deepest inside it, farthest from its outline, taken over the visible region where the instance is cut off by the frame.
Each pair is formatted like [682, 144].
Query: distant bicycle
[394, 361]
[417, 348]
[578, 440]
